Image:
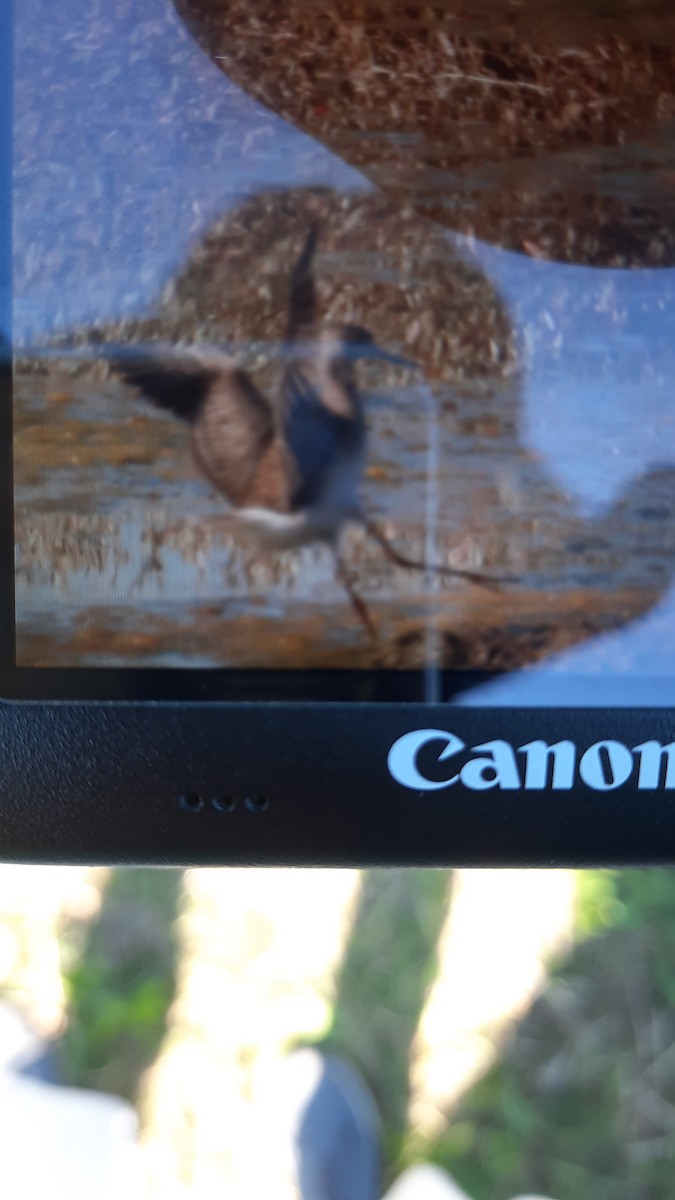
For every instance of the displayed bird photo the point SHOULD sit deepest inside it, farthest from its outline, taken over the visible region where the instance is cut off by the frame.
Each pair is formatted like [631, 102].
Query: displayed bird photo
[297, 389]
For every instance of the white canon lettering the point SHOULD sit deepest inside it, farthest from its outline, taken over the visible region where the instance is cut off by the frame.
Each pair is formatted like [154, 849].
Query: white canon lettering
[539, 754]
[501, 770]
[402, 758]
[651, 758]
[592, 768]
[604, 766]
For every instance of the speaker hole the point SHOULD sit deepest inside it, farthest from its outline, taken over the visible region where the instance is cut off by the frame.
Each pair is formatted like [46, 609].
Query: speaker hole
[256, 802]
[223, 804]
[191, 802]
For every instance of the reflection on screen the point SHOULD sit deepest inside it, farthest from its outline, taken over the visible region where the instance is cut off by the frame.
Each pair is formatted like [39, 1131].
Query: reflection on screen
[277, 407]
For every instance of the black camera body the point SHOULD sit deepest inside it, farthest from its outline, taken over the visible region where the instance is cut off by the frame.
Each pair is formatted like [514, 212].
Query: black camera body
[337, 510]
[342, 784]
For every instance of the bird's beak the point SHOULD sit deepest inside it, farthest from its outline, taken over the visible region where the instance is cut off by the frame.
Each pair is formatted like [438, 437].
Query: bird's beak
[396, 360]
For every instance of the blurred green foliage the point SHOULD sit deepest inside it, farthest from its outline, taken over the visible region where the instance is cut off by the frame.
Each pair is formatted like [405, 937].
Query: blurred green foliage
[582, 1101]
[119, 975]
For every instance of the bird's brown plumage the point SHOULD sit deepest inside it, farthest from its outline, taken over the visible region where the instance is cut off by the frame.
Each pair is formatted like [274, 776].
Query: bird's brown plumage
[237, 445]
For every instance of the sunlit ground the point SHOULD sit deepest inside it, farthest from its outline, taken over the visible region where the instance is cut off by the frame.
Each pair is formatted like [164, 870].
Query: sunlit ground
[514, 1026]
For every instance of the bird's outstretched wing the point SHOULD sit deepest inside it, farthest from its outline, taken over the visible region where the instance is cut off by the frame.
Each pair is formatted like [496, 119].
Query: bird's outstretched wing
[175, 378]
[302, 294]
[235, 436]
[237, 445]
[315, 436]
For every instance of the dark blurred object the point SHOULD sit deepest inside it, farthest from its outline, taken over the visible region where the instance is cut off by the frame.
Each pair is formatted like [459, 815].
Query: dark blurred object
[543, 127]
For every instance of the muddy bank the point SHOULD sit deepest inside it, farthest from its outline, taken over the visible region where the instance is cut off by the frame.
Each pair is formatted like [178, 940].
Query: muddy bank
[454, 633]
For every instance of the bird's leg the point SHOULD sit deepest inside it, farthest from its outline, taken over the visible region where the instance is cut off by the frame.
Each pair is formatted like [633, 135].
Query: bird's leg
[152, 564]
[358, 604]
[402, 560]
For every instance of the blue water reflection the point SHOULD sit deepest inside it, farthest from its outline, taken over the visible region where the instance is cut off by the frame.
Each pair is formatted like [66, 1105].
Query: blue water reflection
[599, 347]
[612, 378]
[129, 141]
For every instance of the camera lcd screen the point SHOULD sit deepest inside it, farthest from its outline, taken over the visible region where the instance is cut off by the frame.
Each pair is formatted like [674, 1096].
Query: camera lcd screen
[343, 354]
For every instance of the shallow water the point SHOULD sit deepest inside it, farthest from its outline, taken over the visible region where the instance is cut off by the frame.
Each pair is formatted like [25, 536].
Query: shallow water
[126, 556]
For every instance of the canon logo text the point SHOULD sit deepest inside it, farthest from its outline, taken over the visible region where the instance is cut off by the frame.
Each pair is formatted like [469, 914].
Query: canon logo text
[535, 766]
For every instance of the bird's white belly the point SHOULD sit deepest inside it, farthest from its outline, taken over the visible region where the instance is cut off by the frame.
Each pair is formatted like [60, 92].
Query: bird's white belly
[337, 504]
[284, 531]
[273, 530]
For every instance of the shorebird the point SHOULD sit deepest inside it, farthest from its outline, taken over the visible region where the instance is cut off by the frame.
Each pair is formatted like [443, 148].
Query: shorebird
[289, 466]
